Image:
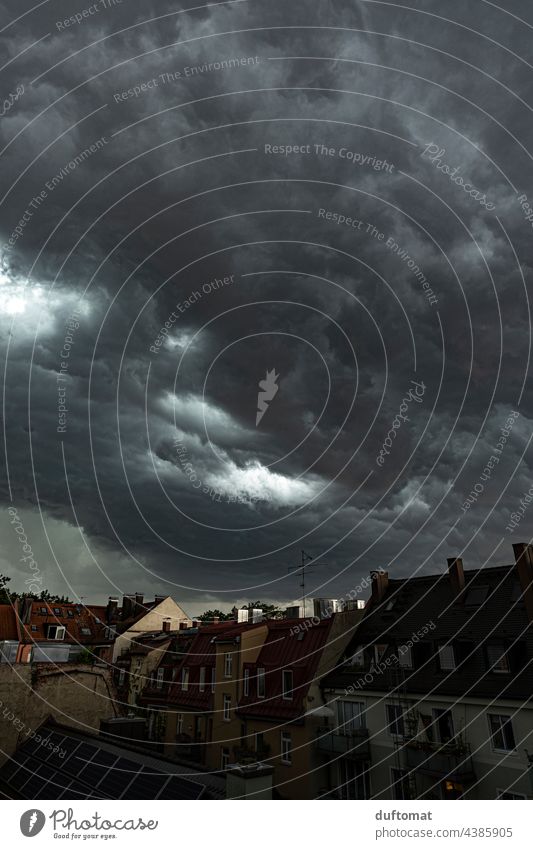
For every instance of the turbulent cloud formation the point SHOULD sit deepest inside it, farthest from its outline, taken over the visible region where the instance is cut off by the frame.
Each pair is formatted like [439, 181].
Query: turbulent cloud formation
[191, 198]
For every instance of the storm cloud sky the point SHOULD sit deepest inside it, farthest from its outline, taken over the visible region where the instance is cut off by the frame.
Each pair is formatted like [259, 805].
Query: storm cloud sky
[173, 247]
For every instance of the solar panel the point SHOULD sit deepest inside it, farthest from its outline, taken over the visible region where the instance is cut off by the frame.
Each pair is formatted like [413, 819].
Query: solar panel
[180, 788]
[75, 763]
[117, 779]
[146, 785]
[97, 768]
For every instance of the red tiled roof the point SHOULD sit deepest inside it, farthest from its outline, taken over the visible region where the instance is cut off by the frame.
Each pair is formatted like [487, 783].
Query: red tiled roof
[8, 623]
[201, 653]
[73, 617]
[283, 649]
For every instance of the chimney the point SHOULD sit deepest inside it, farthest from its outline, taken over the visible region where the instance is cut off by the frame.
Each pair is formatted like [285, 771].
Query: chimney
[139, 604]
[112, 608]
[166, 625]
[456, 573]
[523, 553]
[128, 604]
[380, 583]
[159, 598]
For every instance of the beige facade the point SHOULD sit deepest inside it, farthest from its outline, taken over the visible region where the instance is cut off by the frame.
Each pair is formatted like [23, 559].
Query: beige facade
[167, 611]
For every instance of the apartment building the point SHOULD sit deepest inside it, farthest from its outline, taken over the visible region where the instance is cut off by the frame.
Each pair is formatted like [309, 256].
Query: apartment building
[434, 696]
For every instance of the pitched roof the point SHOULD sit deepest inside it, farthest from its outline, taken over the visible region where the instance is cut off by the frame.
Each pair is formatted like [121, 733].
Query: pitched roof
[489, 610]
[82, 624]
[287, 646]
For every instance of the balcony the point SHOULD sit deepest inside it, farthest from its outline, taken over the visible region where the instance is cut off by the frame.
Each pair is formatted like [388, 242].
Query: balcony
[352, 744]
[449, 761]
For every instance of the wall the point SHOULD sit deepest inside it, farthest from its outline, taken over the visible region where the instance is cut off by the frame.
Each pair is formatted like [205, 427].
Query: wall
[152, 621]
[73, 694]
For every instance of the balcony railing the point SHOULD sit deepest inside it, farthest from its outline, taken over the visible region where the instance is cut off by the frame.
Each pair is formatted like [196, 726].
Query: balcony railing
[445, 761]
[352, 744]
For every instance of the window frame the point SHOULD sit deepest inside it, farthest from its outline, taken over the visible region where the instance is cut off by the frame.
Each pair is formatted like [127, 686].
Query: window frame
[493, 666]
[261, 677]
[228, 664]
[160, 678]
[508, 723]
[185, 679]
[246, 682]
[286, 748]
[201, 680]
[397, 722]
[446, 647]
[354, 722]
[226, 707]
[287, 693]
[399, 782]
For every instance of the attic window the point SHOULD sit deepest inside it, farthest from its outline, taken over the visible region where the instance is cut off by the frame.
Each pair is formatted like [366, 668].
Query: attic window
[358, 657]
[379, 651]
[70, 614]
[55, 632]
[301, 635]
[446, 657]
[34, 627]
[86, 632]
[43, 611]
[497, 658]
[58, 611]
[390, 604]
[476, 596]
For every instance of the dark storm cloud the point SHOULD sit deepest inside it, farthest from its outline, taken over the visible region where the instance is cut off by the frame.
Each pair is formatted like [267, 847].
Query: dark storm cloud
[181, 210]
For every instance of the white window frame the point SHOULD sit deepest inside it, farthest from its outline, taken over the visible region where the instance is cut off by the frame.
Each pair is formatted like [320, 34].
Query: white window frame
[179, 724]
[508, 720]
[350, 718]
[447, 661]
[201, 685]
[261, 677]
[401, 719]
[228, 664]
[58, 630]
[286, 748]
[185, 679]
[160, 678]
[246, 682]
[226, 707]
[287, 691]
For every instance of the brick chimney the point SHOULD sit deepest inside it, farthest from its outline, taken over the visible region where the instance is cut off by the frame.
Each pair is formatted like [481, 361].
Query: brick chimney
[112, 609]
[523, 553]
[128, 604]
[139, 604]
[380, 583]
[456, 573]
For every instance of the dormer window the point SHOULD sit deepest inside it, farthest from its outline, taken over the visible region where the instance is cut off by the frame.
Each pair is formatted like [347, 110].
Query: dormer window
[446, 657]
[55, 632]
[58, 611]
[497, 658]
[86, 632]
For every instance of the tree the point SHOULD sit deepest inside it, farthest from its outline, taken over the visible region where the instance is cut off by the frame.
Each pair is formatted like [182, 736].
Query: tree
[209, 615]
[4, 594]
[270, 611]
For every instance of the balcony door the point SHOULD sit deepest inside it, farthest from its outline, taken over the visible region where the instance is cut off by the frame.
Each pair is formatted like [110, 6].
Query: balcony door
[350, 716]
[353, 779]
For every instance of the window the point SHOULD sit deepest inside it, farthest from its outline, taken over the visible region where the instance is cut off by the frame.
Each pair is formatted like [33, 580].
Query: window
[34, 628]
[228, 664]
[506, 794]
[395, 722]
[43, 611]
[286, 682]
[350, 715]
[185, 678]
[476, 596]
[70, 614]
[246, 682]
[501, 730]
[446, 657]
[286, 748]
[405, 657]
[160, 678]
[260, 683]
[224, 758]
[400, 783]
[353, 779]
[56, 632]
[443, 724]
[497, 658]
[201, 685]
[259, 742]
[179, 724]
[358, 657]
[85, 631]
[213, 679]
[227, 708]
[121, 677]
[58, 611]
[379, 651]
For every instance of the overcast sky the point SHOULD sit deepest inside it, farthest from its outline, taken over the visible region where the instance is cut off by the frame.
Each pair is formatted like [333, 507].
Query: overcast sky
[173, 187]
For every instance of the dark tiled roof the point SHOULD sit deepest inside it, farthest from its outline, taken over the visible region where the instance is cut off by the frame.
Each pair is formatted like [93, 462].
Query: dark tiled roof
[201, 653]
[429, 604]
